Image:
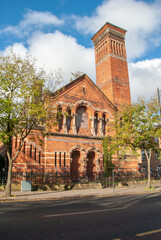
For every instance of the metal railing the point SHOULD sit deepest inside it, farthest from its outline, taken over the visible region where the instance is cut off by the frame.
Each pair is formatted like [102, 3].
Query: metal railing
[44, 178]
[3, 177]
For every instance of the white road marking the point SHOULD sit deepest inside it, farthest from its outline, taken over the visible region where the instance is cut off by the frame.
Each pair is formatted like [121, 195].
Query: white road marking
[148, 233]
[85, 212]
[153, 195]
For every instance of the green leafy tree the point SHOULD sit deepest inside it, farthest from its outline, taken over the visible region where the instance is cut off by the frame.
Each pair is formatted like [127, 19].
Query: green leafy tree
[109, 148]
[137, 126]
[22, 103]
[114, 143]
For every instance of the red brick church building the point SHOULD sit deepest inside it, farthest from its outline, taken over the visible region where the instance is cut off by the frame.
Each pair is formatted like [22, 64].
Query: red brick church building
[87, 109]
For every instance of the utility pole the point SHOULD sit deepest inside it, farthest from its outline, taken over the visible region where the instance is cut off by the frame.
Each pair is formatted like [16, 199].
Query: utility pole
[159, 98]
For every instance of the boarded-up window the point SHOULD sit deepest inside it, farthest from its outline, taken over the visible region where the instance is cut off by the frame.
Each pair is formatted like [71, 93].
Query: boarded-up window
[82, 117]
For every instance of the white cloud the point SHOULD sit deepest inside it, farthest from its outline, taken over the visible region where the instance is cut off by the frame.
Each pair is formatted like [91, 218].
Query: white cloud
[18, 48]
[141, 19]
[42, 18]
[55, 51]
[32, 20]
[145, 78]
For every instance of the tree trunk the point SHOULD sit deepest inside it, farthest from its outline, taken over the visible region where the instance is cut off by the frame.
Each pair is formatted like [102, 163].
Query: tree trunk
[10, 160]
[149, 171]
[8, 186]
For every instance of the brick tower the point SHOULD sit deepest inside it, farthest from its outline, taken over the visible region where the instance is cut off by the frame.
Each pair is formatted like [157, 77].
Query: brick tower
[111, 64]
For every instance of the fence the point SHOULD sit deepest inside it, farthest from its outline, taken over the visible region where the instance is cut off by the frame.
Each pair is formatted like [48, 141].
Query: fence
[41, 178]
[3, 177]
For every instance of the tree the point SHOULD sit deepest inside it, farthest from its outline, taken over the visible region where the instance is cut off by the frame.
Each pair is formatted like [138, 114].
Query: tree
[75, 75]
[113, 143]
[22, 103]
[109, 148]
[136, 127]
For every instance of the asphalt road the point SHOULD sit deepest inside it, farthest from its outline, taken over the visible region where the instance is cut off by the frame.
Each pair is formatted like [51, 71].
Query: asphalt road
[118, 217]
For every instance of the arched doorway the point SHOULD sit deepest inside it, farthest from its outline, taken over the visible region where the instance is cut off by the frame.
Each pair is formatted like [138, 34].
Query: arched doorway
[74, 166]
[90, 165]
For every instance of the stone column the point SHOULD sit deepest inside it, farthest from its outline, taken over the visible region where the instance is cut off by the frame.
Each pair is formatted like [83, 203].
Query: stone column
[92, 126]
[74, 123]
[65, 123]
[100, 126]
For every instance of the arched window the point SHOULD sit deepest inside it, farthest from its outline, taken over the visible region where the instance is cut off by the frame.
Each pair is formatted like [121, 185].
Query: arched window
[20, 142]
[35, 154]
[24, 147]
[59, 117]
[64, 159]
[16, 142]
[82, 117]
[96, 122]
[60, 159]
[30, 151]
[55, 158]
[104, 123]
[121, 122]
[39, 157]
[68, 119]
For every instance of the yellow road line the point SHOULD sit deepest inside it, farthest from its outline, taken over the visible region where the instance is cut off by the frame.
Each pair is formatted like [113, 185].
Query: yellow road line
[148, 233]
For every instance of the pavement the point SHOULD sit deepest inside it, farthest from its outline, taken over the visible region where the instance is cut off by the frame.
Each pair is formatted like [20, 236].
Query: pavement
[81, 193]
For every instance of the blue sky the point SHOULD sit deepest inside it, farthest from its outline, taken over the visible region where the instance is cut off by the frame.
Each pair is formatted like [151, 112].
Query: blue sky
[58, 34]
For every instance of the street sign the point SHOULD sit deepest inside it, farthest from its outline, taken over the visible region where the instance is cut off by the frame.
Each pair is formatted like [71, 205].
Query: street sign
[25, 186]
